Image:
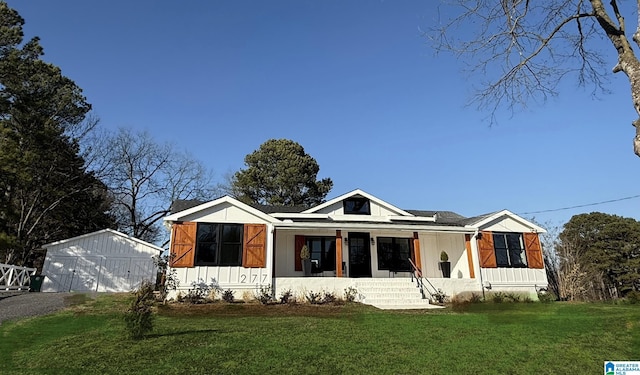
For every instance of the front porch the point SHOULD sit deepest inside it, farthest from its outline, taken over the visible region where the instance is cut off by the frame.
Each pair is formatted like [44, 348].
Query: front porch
[378, 263]
[372, 253]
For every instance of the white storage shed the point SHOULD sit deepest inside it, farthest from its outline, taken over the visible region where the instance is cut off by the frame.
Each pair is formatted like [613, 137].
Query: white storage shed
[102, 261]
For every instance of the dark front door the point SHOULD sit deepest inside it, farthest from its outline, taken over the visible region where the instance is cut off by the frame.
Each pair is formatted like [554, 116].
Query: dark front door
[359, 255]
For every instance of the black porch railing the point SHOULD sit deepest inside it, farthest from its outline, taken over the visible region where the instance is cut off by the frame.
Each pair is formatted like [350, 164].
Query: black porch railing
[417, 276]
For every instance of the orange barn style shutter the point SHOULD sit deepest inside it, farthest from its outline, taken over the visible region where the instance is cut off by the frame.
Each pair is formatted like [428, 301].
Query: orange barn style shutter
[254, 249]
[487, 252]
[467, 246]
[183, 245]
[534, 250]
[415, 251]
[339, 270]
[300, 241]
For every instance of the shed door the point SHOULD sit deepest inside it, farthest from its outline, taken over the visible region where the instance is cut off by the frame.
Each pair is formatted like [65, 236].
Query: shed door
[115, 277]
[86, 273]
[125, 274]
[141, 269]
[59, 271]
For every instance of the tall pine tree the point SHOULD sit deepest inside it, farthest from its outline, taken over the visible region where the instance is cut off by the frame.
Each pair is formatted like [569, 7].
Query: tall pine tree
[280, 173]
[45, 192]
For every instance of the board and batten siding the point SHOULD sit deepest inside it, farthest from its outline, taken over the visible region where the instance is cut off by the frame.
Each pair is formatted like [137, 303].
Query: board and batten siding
[432, 244]
[506, 224]
[104, 261]
[249, 276]
[514, 276]
[224, 212]
[104, 244]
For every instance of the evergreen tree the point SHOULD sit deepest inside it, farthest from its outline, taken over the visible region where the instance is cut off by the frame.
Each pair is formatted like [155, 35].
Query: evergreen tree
[280, 173]
[45, 192]
[607, 244]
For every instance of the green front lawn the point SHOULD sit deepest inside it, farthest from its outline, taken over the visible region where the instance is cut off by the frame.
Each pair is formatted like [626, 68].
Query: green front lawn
[354, 339]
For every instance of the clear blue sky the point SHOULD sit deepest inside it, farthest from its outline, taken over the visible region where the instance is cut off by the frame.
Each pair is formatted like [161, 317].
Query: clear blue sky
[356, 84]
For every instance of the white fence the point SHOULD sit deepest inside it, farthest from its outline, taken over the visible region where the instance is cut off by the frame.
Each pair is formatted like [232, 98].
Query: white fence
[14, 277]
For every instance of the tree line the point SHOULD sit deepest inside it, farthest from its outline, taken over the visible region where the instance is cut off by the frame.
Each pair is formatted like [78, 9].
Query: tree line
[593, 257]
[62, 176]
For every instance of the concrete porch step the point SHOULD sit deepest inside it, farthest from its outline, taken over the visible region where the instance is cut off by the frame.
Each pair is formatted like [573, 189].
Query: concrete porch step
[396, 301]
[412, 290]
[391, 294]
[385, 281]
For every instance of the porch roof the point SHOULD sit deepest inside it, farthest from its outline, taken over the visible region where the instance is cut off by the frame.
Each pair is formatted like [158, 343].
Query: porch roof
[342, 225]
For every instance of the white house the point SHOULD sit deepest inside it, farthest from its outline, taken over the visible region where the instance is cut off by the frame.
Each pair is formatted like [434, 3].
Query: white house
[102, 261]
[355, 241]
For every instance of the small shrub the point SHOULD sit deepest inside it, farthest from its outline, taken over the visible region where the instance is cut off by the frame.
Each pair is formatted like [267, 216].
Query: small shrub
[632, 297]
[328, 297]
[476, 298]
[466, 298]
[287, 297]
[498, 297]
[547, 297]
[227, 296]
[139, 317]
[439, 297]
[201, 292]
[527, 299]
[264, 294]
[513, 297]
[166, 280]
[314, 298]
[350, 294]
[192, 297]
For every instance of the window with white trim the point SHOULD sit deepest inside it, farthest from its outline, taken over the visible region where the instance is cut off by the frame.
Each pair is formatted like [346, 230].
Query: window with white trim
[509, 249]
[219, 244]
[356, 206]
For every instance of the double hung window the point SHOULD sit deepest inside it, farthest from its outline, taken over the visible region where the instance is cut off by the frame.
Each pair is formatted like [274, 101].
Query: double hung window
[509, 249]
[219, 244]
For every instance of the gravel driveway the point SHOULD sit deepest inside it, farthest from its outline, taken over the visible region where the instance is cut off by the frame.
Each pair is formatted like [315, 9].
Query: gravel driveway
[30, 304]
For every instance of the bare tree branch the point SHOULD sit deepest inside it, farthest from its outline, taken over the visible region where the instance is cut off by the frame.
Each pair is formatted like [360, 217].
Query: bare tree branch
[145, 177]
[519, 50]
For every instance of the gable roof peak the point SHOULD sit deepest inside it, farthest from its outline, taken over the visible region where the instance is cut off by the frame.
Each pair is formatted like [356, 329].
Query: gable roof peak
[359, 193]
[225, 199]
[481, 220]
